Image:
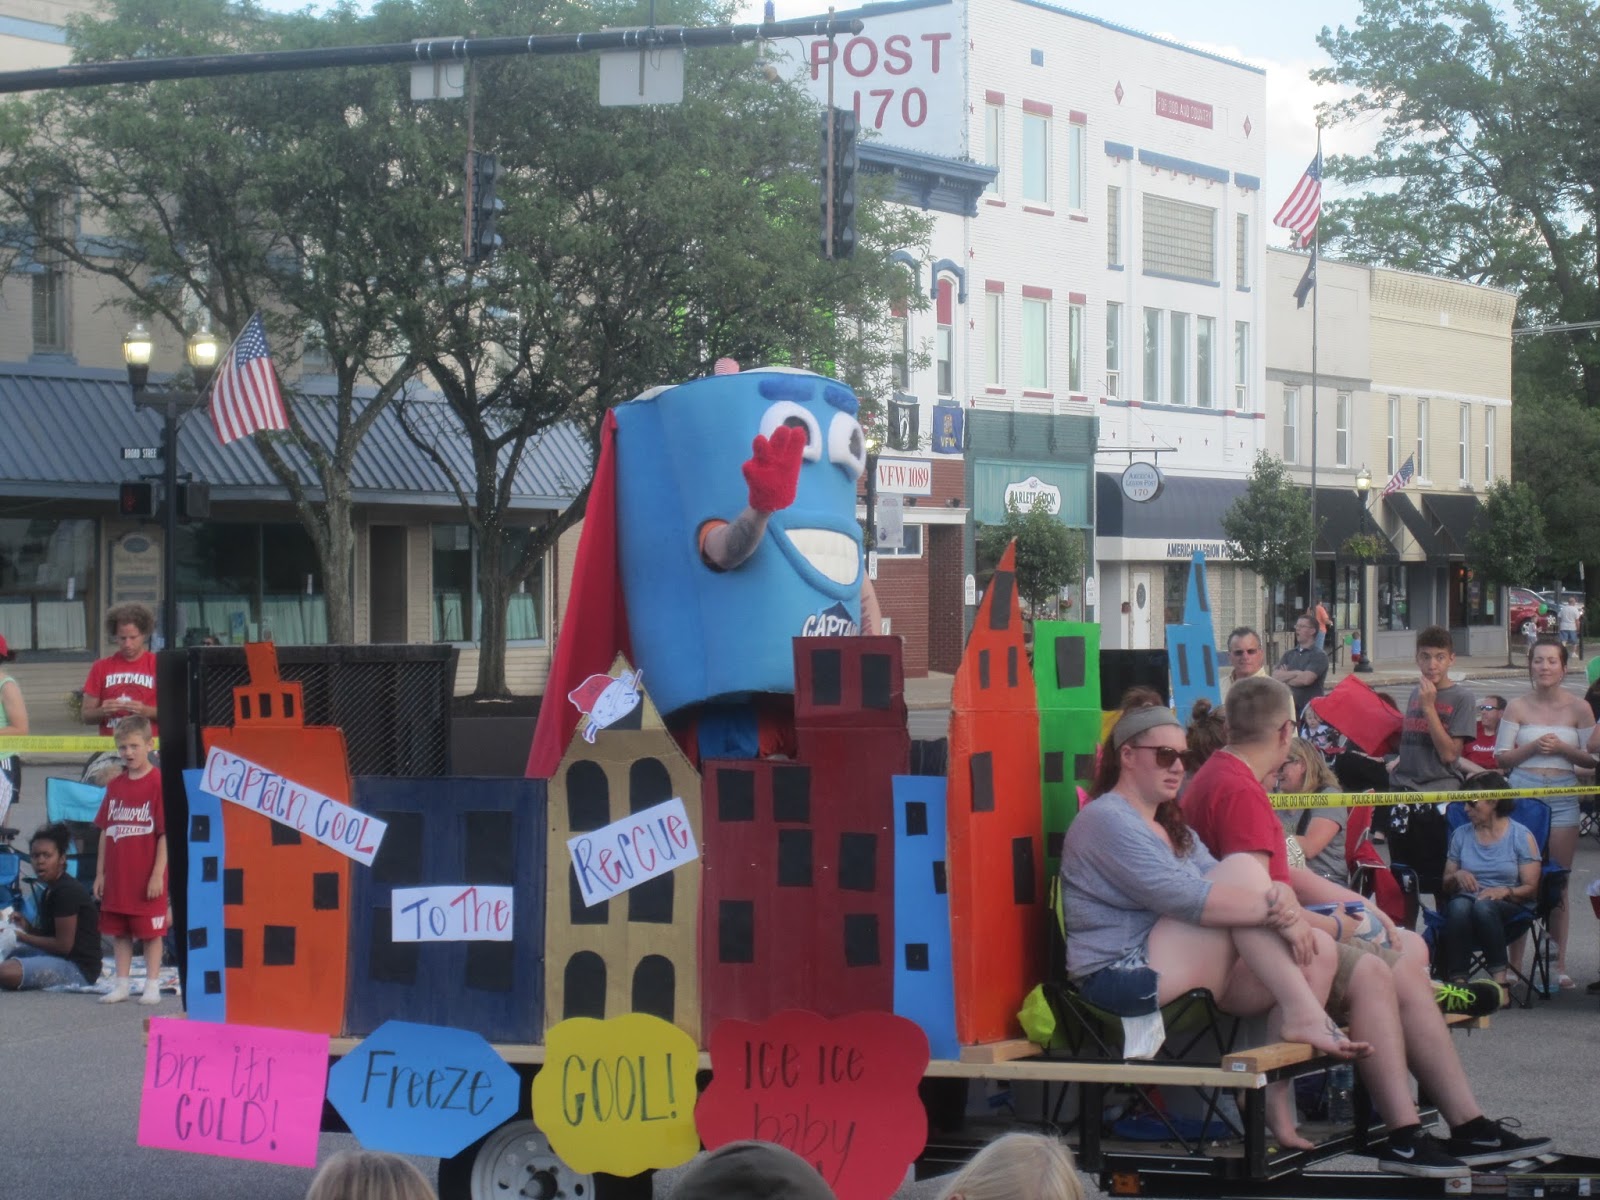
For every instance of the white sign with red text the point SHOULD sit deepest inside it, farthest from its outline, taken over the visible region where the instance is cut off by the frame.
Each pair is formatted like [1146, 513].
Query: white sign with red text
[901, 74]
[452, 912]
[906, 476]
[321, 818]
[631, 851]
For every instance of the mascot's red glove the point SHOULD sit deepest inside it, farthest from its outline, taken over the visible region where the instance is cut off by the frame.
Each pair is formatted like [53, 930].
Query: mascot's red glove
[773, 471]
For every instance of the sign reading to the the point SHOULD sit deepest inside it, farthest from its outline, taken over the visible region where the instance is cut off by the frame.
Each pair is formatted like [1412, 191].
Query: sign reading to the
[1190, 112]
[905, 476]
[354, 834]
[1033, 492]
[423, 1089]
[618, 1095]
[235, 1091]
[841, 1094]
[451, 913]
[628, 852]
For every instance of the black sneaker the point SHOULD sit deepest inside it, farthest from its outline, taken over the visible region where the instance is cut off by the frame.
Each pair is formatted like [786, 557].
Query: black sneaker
[1482, 1141]
[1480, 998]
[1422, 1156]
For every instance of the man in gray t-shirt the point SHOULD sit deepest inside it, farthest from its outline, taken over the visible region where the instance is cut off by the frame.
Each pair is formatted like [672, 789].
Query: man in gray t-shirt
[1441, 717]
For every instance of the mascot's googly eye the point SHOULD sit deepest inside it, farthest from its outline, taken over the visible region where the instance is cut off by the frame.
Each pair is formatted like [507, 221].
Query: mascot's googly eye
[847, 445]
[787, 412]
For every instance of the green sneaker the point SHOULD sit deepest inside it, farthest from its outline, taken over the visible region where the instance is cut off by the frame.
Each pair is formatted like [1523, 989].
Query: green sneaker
[1480, 998]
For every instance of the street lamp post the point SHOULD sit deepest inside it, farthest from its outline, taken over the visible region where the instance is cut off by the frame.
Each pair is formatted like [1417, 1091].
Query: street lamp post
[872, 506]
[202, 350]
[1363, 486]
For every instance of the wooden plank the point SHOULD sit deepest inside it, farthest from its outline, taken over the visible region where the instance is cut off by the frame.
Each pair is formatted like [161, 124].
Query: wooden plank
[1287, 1054]
[1146, 1074]
[999, 1052]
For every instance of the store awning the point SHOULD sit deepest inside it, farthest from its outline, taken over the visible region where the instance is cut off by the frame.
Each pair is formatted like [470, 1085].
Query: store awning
[1455, 515]
[1342, 513]
[1433, 544]
[1186, 508]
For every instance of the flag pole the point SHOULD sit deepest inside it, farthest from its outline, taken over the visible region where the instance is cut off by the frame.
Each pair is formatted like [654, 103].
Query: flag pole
[1316, 238]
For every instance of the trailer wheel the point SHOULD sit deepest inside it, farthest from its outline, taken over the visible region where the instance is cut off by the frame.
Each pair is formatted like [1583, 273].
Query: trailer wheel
[514, 1160]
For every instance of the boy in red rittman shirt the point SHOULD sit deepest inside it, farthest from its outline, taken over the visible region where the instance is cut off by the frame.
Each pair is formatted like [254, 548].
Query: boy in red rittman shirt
[130, 880]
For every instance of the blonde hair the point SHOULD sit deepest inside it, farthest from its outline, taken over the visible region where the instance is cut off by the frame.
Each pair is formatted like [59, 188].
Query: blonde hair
[369, 1175]
[1018, 1166]
[1255, 707]
[1319, 776]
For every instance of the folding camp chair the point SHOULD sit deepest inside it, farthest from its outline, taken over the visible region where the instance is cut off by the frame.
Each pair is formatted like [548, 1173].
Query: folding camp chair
[76, 805]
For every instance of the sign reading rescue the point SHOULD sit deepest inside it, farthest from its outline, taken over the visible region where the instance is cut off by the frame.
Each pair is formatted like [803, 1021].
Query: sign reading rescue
[905, 476]
[1032, 492]
[1191, 112]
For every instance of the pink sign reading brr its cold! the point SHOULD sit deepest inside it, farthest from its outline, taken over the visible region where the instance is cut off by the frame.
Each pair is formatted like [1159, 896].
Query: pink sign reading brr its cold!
[235, 1091]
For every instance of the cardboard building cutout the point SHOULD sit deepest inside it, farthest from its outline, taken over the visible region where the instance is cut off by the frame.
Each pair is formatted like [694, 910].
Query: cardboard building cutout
[1066, 669]
[996, 859]
[636, 952]
[924, 989]
[1192, 647]
[674, 463]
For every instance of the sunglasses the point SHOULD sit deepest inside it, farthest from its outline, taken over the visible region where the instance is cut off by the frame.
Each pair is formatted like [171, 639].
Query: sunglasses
[1166, 756]
[1488, 708]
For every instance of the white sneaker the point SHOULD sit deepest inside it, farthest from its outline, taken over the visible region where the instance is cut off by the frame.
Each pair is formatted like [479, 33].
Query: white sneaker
[8, 940]
[151, 993]
[117, 994]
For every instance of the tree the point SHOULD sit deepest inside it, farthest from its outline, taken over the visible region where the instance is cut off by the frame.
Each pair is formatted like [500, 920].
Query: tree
[1269, 527]
[1507, 540]
[1049, 555]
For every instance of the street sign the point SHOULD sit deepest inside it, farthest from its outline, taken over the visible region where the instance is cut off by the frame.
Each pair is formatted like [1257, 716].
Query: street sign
[133, 453]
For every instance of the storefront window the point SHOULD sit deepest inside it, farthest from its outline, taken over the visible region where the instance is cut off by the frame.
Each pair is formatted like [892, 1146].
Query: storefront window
[1177, 591]
[1477, 597]
[1393, 608]
[247, 582]
[46, 583]
[457, 607]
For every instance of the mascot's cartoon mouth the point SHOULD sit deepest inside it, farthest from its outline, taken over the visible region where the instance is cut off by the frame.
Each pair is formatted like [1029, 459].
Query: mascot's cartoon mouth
[835, 556]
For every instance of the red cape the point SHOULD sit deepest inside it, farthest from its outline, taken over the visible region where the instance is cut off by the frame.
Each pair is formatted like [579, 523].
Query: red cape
[594, 628]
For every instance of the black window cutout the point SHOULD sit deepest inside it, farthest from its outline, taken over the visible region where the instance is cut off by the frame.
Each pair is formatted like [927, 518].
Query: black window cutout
[1072, 666]
[736, 794]
[940, 884]
[791, 794]
[213, 983]
[861, 940]
[399, 858]
[277, 946]
[266, 704]
[649, 784]
[584, 986]
[199, 938]
[983, 670]
[1208, 658]
[581, 913]
[244, 708]
[1055, 766]
[736, 931]
[981, 767]
[491, 966]
[490, 839]
[1183, 664]
[1083, 767]
[1202, 593]
[288, 705]
[827, 678]
[1011, 666]
[1022, 883]
[1000, 589]
[588, 797]
[655, 987]
[916, 819]
[233, 886]
[389, 961]
[794, 858]
[282, 835]
[1052, 844]
[233, 949]
[208, 868]
[877, 691]
[858, 862]
[650, 902]
[325, 891]
[916, 956]
[199, 828]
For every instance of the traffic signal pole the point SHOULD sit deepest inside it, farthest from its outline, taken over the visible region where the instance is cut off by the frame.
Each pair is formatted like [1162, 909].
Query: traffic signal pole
[432, 50]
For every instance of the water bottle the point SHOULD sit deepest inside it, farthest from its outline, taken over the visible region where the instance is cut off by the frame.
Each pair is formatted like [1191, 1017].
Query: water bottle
[1341, 1089]
[1552, 956]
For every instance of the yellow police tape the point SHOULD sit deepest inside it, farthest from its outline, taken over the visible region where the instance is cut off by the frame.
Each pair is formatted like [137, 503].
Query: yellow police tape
[1355, 799]
[59, 745]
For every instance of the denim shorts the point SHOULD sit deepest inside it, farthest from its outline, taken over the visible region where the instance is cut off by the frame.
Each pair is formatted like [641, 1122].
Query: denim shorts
[41, 970]
[1563, 809]
[1128, 987]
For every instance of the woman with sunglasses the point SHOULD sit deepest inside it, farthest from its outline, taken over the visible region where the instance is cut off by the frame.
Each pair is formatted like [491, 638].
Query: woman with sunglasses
[1317, 832]
[1544, 738]
[1150, 914]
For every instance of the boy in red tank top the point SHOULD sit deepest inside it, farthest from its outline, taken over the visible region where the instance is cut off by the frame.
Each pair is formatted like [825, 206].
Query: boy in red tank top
[130, 880]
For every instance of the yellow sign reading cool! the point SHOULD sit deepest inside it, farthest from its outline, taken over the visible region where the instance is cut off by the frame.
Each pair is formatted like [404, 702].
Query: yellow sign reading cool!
[618, 1096]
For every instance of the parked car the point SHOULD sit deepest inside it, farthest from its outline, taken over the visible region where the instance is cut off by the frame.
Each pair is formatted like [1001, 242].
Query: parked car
[1552, 601]
[1526, 605]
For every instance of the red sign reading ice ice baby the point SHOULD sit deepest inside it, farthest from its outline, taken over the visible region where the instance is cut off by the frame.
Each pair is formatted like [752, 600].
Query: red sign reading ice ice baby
[841, 1094]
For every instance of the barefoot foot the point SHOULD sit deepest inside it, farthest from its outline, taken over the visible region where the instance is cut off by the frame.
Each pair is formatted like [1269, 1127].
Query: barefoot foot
[1326, 1038]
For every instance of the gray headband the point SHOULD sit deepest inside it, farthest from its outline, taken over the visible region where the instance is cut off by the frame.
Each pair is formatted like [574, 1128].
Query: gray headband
[1141, 720]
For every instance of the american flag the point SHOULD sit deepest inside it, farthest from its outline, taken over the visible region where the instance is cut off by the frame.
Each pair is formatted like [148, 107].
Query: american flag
[1402, 476]
[245, 396]
[1304, 205]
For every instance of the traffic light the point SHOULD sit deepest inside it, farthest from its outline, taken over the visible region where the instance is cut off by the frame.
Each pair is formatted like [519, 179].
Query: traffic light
[194, 501]
[137, 500]
[840, 160]
[483, 171]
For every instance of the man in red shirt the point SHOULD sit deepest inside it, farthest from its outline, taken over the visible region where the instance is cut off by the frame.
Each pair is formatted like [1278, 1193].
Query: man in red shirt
[1480, 750]
[124, 684]
[1389, 997]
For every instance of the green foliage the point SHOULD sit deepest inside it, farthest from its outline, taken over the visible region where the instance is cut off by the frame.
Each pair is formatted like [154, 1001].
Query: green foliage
[1269, 526]
[1049, 555]
[1506, 543]
[1555, 442]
